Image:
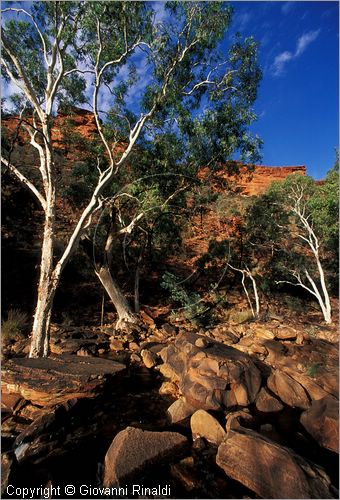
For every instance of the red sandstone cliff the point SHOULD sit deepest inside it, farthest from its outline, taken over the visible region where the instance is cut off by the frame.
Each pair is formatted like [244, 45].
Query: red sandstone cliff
[83, 124]
[253, 182]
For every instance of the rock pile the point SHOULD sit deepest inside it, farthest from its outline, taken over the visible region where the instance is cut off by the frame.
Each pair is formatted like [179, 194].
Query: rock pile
[244, 392]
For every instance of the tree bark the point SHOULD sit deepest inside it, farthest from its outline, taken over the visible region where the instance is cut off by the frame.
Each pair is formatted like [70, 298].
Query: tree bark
[124, 311]
[48, 280]
[46, 291]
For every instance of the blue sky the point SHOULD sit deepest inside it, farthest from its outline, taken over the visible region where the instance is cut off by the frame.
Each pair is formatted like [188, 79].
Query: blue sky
[298, 100]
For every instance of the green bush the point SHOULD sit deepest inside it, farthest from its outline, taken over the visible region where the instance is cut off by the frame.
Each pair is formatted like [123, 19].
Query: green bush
[190, 302]
[17, 322]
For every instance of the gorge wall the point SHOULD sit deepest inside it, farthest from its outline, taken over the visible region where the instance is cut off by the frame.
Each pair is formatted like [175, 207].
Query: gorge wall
[249, 183]
[258, 181]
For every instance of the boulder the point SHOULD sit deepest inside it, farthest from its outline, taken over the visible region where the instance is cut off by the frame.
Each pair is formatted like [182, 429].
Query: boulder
[268, 469]
[149, 358]
[266, 403]
[317, 361]
[180, 410]
[132, 450]
[7, 465]
[321, 421]
[116, 345]
[263, 333]
[237, 419]
[10, 401]
[168, 388]
[205, 425]
[185, 477]
[288, 390]
[53, 380]
[313, 389]
[211, 377]
[286, 333]
[169, 329]
[57, 431]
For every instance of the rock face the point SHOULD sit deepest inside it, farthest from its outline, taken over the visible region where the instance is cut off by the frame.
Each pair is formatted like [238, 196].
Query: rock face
[321, 421]
[83, 123]
[212, 377]
[180, 410]
[268, 469]
[262, 177]
[56, 431]
[266, 403]
[288, 390]
[258, 180]
[205, 425]
[81, 120]
[54, 380]
[132, 450]
[6, 470]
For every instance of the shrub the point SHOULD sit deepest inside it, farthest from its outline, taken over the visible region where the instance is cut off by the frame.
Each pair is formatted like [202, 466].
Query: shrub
[17, 322]
[190, 302]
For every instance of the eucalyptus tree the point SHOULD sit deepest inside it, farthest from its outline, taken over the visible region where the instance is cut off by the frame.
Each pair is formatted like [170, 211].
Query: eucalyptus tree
[151, 74]
[292, 230]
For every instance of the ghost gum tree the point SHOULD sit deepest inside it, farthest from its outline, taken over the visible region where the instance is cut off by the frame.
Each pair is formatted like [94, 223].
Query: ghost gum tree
[61, 53]
[296, 225]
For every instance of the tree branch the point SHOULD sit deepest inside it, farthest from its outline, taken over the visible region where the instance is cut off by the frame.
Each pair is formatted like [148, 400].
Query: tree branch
[25, 181]
[35, 25]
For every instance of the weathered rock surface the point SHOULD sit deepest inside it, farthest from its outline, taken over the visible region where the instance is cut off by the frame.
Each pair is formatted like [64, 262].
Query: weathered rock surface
[149, 358]
[286, 333]
[238, 419]
[7, 461]
[316, 362]
[313, 364]
[211, 377]
[263, 333]
[321, 421]
[266, 403]
[180, 410]
[205, 425]
[132, 450]
[288, 390]
[184, 476]
[268, 469]
[53, 380]
[56, 431]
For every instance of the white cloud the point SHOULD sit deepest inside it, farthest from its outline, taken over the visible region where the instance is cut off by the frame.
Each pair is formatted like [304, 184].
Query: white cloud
[287, 7]
[305, 40]
[240, 20]
[302, 43]
[280, 62]
[161, 13]
[8, 89]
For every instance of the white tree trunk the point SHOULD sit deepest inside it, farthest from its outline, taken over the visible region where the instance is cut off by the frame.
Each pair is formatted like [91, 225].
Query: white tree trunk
[326, 309]
[124, 311]
[46, 291]
[324, 302]
[48, 280]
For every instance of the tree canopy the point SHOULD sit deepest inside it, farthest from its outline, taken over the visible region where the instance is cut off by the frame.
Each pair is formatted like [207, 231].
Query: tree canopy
[167, 86]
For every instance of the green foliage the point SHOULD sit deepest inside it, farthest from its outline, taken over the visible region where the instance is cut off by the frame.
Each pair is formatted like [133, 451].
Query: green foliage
[312, 331]
[313, 369]
[190, 302]
[16, 322]
[81, 183]
[295, 304]
[324, 209]
[273, 228]
[240, 317]
[189, 123]
[230, 205]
